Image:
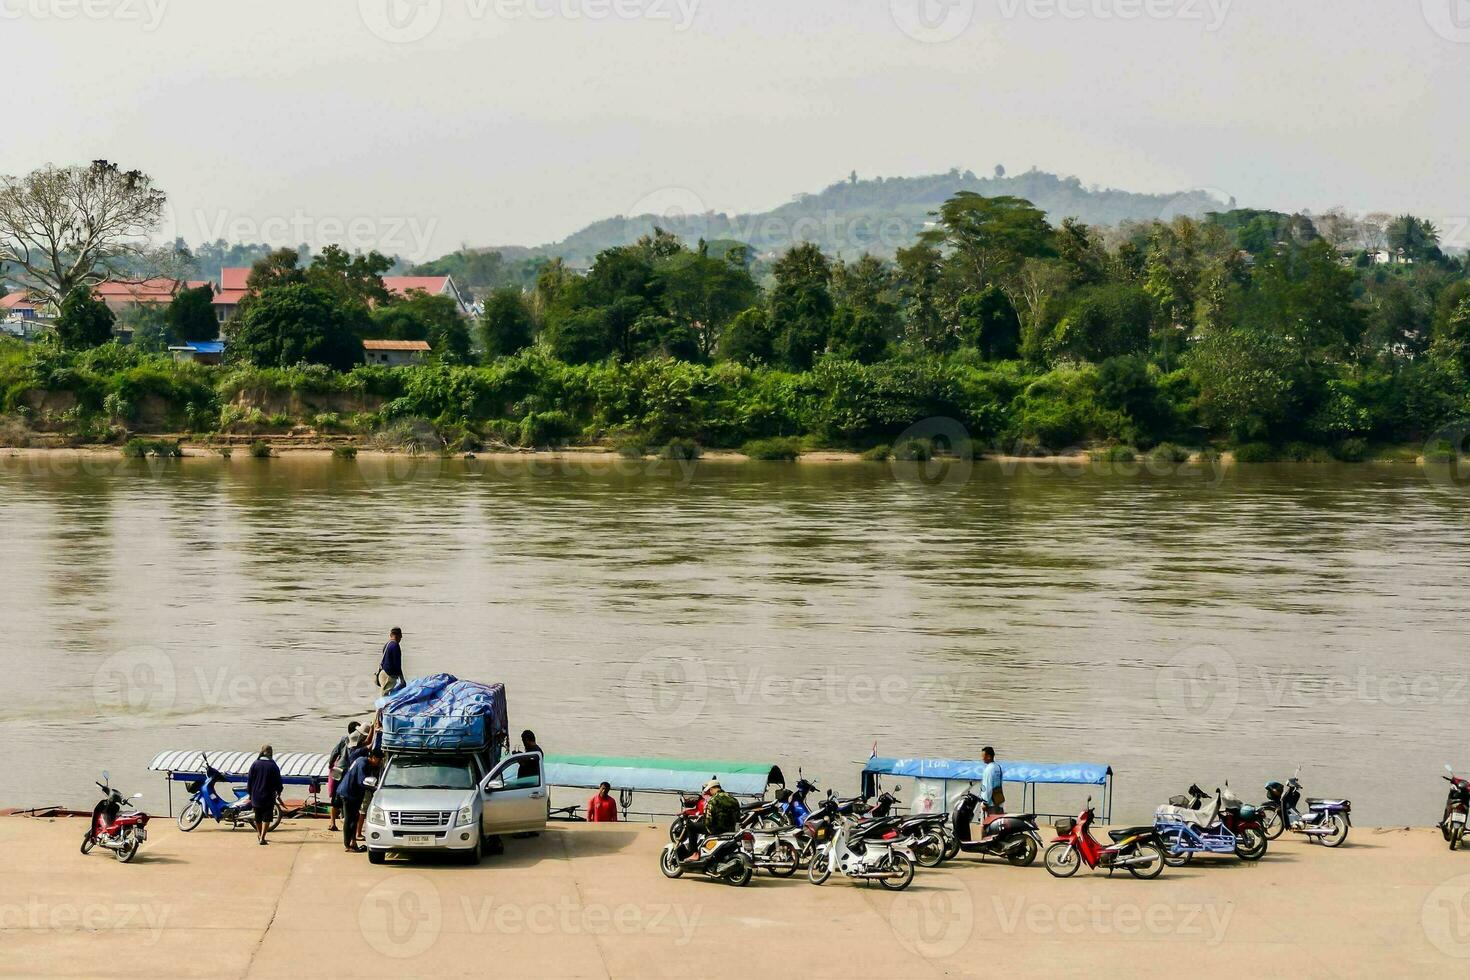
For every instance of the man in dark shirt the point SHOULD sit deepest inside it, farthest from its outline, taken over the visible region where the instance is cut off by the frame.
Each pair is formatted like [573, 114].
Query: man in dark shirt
[337, 764]
[352, 791]
[265, 789]
[532, 766]
[390, 671]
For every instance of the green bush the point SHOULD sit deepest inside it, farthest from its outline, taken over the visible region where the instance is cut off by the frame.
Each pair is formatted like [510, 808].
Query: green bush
[168, 450]
[344, 452]
[260, 450]
[1351, 450]
[1256, 452]
[776, 448]
[878, 453]
[631, 446]
[225, 452]
[1305, 452]
[1168, 452]
[682, 449]
[136, 448]
[162, 448]
[1441, 452]
[1115, 454]
[914, 450]
[546, 429]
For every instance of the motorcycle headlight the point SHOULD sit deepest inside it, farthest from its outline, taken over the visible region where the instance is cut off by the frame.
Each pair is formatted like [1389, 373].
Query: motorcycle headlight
[466, 816]
[377, 816]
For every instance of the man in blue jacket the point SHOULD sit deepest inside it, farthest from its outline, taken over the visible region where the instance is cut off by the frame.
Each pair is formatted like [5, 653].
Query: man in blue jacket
[265, 789]
[390, 670]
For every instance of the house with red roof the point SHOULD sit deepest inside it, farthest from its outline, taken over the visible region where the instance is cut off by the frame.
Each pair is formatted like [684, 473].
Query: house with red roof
[19, 315]
[120, 296]
[232, 289]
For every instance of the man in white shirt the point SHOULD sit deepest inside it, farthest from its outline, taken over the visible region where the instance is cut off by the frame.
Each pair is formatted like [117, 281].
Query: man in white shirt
[990, 782]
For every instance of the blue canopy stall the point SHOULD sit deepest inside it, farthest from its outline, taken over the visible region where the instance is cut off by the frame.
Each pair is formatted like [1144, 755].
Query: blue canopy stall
[307, 769]
[942, 780]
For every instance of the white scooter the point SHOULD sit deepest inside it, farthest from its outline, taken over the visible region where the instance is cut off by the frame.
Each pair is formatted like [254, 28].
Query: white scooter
[861, 850]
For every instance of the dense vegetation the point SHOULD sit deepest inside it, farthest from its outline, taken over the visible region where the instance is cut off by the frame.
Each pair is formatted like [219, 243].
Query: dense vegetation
[1281, 334]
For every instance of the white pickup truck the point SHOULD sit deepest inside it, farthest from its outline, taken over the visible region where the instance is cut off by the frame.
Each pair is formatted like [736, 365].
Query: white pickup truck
[433, 801]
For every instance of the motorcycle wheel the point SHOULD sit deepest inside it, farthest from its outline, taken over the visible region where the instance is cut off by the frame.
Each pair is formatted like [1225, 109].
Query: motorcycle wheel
[1455, 836]
[277, 815]
[786, 859]
[1061, 860]
[676, 829]
[929, 851]
[1025, 855]
[1250, 844]
[191, 817]
[1339, 832]
[129, 849]
[1151, 870]
[668, 863]
[820, 869]
[741, 876]
[905, 869]
[951, 846]
[88, 842]
[1174, 856]
[1272, 822]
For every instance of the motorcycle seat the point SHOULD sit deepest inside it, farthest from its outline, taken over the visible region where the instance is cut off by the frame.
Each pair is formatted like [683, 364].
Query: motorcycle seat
[1316, 802]
[1123, 833]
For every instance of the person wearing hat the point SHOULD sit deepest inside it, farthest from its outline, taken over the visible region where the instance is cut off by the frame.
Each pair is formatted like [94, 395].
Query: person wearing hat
[721, 810]
[337, 764]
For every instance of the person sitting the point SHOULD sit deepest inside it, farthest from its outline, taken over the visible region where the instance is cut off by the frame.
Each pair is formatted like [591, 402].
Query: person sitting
[602, 808]
[721, 810]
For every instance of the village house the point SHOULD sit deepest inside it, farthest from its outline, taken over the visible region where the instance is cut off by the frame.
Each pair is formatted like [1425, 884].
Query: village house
[394, 353]
[122, 296]
[232, 289]
[199, 351]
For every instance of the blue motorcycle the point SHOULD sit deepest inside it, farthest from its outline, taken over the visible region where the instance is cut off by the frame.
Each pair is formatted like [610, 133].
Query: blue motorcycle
[205, 800]
[1197, 824]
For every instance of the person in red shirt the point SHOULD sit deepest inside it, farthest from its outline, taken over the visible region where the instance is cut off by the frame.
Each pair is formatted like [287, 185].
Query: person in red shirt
[602, 808]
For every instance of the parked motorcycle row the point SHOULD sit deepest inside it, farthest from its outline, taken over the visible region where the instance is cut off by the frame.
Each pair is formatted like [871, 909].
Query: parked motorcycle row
[863, 839]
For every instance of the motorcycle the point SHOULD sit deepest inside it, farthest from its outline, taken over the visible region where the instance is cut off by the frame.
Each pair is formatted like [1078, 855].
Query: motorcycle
[926, 834]
[777, 851]
[1456, 808]
[869, 850]
[205, 799]
[1137, 849]
[727, 857]
[1326, 821]
[1014, 837]
[1195, 823]
[116, 824]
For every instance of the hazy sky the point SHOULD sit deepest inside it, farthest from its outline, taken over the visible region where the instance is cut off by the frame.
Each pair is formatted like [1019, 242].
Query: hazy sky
[418, 125]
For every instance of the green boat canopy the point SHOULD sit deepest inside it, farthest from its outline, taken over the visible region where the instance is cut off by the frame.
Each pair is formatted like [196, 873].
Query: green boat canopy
[661, 775]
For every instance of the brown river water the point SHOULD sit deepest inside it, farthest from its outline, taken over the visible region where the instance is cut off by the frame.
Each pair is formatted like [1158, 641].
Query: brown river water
[1200, 625]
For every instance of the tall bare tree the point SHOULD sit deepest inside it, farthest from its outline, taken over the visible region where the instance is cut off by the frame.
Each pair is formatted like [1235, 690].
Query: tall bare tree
[64, 227]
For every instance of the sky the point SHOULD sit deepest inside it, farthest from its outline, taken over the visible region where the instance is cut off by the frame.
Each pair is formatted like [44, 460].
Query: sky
[418, 126]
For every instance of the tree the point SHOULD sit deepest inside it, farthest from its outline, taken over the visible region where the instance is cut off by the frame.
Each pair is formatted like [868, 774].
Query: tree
[148, 325]
[988, 323]
[297, 323]
[579, 337]
[866, 318]
[988, 237]
[65, 227]
[420, 316]
[82, 321]
[191, 315]
[920, 268]
[801, 305]
[354, 278]
[748, 339]
[1103, 322]
[1413, 238]
[704, 293]
[506, 326]
[1248, 380]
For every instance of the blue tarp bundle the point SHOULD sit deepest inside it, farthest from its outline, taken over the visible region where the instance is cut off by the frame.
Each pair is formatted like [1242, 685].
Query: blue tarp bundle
[442, 712]
[1070, 773]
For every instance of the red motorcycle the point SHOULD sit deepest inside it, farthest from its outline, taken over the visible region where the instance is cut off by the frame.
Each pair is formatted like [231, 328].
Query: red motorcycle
[1456, 808]
[1138, 849]
[116, 824]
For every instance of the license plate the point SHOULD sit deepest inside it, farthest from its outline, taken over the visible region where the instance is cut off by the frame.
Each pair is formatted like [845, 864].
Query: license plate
[142, 835]
[419, 840]
[1458, 818]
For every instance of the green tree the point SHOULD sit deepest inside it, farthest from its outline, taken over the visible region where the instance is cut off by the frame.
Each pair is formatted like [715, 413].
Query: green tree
[1248, 381]
[506, 326]
[420, 316]
[1104, 321]
[749, 340]
[989, 237]
[83, 322]
[801, 305]
[191, 315]
[297, 323]
[988, 323]
[920, 268]
[704, 293]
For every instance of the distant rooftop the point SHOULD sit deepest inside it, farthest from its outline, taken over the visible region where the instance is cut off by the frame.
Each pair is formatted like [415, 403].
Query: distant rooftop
[407, 346]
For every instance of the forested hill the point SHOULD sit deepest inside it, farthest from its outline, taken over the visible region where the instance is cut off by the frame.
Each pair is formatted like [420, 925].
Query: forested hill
[877, 216]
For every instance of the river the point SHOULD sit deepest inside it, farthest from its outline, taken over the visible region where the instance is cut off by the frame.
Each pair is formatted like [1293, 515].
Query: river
[1201, 625]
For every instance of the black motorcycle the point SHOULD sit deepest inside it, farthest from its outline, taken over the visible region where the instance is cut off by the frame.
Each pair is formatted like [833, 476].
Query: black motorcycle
[1013, 837]
[1456, 809]
[727, 857]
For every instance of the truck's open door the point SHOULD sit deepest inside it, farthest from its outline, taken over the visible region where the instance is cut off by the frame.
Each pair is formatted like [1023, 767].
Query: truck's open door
[514, 795]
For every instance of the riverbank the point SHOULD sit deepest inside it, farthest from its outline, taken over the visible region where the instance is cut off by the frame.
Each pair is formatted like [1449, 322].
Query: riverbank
[588, 901]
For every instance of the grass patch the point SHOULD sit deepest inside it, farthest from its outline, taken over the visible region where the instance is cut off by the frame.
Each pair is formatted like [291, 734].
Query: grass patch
[1256, 452]
[682, 449]
[1115, 454]
[779, 448]
[914, 451]
[878, 453]
[344, 452]
[260, 450]
[1168, 452]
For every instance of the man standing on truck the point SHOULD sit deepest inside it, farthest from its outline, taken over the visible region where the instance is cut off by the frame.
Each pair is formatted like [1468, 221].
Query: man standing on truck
[390, 670]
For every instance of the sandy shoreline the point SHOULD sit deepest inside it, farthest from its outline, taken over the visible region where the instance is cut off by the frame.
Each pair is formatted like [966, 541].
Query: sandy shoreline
[588, 901]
